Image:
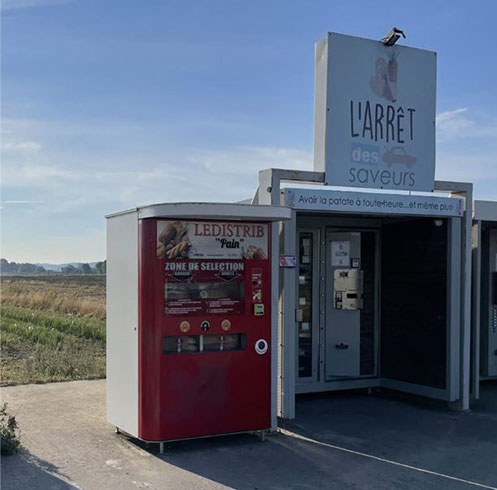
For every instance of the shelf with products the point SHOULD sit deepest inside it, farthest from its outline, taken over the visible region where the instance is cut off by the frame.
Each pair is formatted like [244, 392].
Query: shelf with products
[305, 271]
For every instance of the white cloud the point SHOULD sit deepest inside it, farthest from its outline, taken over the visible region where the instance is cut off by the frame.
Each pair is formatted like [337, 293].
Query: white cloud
[453, 124]
[22, 202]
[24, 163]
[461, 123]
[467, 150]
[223, 175]
[448, 115]
[22, 146]
[32, 174]
[13, 143]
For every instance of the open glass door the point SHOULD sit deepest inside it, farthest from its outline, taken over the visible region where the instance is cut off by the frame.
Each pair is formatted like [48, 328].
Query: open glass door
[307, 307]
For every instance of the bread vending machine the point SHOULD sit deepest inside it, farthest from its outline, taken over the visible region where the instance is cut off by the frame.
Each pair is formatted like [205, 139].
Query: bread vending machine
[203, 330]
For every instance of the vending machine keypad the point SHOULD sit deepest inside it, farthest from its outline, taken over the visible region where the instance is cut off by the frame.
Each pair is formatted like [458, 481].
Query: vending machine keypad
[347, 289]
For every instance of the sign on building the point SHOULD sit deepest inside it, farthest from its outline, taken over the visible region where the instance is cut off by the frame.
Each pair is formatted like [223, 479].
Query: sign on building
[374, 114]
[372, 202]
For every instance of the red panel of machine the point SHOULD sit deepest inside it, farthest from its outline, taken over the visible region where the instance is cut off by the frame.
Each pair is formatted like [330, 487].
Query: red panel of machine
[205, 328]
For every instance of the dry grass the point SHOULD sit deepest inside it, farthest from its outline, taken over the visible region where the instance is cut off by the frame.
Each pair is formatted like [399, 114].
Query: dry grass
[53, 329]
[67, 295]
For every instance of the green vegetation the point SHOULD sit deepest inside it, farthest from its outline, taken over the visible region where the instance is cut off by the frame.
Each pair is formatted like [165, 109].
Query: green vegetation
[9, 439]
[52, 329]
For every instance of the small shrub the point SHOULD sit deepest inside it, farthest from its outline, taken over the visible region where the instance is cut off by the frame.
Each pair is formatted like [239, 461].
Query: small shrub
[9, 440]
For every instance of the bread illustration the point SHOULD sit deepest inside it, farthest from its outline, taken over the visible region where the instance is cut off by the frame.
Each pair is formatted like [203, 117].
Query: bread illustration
[173, 241]
[254, 252]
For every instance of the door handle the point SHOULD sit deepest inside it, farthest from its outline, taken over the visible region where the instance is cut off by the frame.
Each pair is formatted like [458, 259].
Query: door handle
[341, 345]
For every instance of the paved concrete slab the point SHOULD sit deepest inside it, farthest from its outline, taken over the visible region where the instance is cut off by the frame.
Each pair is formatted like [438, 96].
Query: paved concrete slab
[69, 445]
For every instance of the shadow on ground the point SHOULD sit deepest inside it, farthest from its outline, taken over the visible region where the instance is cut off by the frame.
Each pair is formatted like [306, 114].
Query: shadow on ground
[25, 470]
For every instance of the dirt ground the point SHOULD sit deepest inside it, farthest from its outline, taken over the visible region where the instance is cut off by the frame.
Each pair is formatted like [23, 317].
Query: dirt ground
[338, 441]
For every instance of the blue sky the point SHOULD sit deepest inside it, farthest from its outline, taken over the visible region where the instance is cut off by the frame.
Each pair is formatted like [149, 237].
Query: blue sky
[107, 104]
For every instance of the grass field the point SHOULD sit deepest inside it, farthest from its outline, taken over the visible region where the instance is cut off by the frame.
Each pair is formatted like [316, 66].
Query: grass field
[52, 328]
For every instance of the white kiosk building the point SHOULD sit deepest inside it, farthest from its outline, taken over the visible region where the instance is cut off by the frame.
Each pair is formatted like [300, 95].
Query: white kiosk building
[376, 298]
[375, 285]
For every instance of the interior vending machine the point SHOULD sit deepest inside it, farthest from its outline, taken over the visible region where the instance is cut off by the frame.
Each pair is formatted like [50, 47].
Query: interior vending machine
[202, 334]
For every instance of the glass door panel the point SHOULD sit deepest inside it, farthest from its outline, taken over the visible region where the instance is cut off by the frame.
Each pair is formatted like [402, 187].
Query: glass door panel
[304, 304]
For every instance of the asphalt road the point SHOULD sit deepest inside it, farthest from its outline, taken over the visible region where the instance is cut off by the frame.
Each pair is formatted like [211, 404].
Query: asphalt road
[338, 441]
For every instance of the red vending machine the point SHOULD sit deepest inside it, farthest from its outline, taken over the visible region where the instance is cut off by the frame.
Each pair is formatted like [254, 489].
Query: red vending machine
[204, 326]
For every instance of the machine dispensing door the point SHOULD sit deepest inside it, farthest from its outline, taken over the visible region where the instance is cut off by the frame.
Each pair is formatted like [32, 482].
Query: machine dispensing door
[344, 298]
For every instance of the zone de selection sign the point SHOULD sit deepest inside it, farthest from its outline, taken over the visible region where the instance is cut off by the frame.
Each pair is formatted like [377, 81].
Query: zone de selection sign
[375, 114]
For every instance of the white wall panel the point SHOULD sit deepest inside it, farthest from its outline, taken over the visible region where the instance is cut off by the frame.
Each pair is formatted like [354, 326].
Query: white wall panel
[122, 322]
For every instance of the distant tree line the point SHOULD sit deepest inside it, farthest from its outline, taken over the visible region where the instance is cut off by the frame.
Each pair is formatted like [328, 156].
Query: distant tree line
[25, 268]
[7, 267]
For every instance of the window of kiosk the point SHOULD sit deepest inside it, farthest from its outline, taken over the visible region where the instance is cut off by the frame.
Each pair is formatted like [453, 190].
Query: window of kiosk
[196, 298]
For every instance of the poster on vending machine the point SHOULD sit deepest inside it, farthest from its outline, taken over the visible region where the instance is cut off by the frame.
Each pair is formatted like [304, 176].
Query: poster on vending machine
[340, 253]
[211, 240]
[205, 264]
